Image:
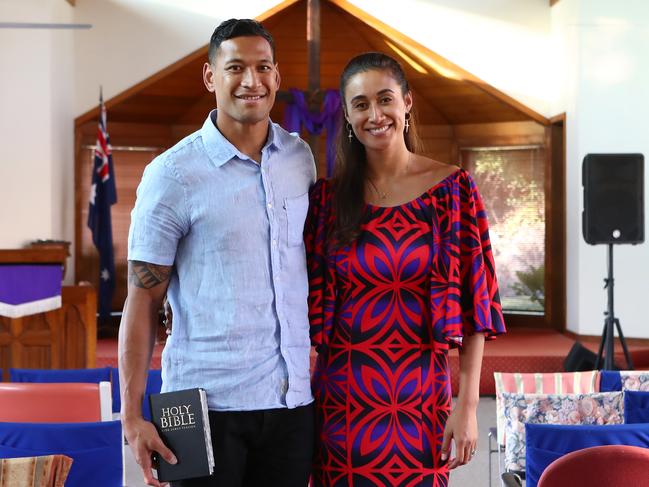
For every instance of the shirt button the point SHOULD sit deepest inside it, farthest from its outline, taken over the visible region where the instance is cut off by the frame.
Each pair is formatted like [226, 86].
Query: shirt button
[270, 205]
[274, 242]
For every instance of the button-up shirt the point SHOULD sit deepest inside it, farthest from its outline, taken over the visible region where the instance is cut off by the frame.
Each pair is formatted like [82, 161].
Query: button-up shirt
[232, 230]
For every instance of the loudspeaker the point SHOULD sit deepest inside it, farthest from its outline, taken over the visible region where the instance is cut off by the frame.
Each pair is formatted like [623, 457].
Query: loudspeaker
[613, 198]
[579, 359]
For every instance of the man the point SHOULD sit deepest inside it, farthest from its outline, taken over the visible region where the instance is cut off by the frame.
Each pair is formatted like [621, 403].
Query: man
[217, 226]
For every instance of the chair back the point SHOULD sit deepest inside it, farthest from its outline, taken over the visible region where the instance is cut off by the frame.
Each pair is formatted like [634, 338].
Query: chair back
[95, 448]
[547, 443]
[153, 386]
[60, 375]
[54, 402]
[540, 383]
[599, 466]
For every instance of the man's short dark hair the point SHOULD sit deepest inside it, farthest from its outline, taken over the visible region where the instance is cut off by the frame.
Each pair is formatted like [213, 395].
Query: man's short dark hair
[232, 28]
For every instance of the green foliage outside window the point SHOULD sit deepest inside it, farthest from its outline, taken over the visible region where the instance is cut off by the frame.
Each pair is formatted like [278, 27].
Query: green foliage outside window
[511, 185]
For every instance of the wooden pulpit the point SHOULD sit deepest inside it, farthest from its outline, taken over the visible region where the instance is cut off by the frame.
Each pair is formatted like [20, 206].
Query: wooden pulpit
[63, 338]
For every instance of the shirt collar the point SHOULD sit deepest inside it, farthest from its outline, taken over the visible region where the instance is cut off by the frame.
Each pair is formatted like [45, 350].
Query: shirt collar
[220, 150]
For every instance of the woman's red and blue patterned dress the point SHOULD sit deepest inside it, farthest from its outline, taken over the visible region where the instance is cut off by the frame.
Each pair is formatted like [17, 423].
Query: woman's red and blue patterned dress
[384, 312]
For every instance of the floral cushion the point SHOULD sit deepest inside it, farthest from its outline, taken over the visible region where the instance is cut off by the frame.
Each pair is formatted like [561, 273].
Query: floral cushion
[634, 380]
[595, 408]
[540, 383]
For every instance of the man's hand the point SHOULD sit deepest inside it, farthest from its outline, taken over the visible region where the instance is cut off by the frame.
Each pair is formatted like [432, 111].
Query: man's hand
[147, 286]
[144, 440]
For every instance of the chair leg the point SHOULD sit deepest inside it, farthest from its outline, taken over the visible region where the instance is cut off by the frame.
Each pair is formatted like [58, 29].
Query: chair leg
[510, 479]
[494, 447]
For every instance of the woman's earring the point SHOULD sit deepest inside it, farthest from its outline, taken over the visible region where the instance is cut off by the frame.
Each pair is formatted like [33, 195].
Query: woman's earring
[350, 135]
[408, 116]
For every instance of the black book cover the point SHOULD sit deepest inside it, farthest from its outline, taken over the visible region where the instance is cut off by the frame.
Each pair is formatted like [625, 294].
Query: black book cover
[183, 424]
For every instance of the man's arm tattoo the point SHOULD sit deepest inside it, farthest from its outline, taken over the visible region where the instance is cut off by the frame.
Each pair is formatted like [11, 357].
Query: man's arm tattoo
[145, 275]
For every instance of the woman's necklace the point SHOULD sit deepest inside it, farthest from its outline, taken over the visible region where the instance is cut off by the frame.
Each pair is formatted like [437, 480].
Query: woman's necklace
[381, 194]
[384, 194]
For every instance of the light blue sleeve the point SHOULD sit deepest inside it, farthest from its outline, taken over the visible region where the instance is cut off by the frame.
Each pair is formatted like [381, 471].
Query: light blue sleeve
[160, 217]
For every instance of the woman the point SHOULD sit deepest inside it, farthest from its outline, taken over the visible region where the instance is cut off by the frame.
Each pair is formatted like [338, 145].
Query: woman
[401, 270]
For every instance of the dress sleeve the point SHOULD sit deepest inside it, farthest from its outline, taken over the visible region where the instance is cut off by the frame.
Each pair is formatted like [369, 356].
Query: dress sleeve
[320, 265]
[479, 297]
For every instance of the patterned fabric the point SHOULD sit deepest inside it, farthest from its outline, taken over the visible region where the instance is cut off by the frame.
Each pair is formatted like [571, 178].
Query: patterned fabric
[634, 380]
[45, 471]
[568, 409]
[540, 383]
[384, 312]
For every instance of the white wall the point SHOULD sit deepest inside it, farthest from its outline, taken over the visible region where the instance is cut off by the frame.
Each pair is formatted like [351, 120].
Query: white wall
[503, 42]
[134, 39]
[35, 124]
[607, 94]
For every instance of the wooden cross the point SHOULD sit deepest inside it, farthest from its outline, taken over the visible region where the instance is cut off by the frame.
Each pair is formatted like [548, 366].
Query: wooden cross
[313, 94]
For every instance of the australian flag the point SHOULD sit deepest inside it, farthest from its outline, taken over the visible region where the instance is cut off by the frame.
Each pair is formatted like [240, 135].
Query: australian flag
[102, 196]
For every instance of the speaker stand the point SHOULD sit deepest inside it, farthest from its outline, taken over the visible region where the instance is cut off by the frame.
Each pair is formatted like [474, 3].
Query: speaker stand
[608, 334]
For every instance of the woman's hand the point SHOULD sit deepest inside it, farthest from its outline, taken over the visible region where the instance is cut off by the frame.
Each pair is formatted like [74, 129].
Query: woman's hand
[169, 316]
[462, 429]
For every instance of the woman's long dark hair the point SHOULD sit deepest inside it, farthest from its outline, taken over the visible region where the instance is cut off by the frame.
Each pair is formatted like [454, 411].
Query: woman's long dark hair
[351, 161]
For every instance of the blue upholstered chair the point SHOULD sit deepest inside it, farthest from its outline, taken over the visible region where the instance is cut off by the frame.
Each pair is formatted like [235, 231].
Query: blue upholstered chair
[153, 386]
[636, 407]
[60, 375]
[96, 448]
[546, 443]
[610, 380]
[599, 466]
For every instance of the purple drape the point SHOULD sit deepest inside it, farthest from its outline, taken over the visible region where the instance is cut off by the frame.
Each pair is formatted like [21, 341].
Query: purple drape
[29, 289]
[297, 114]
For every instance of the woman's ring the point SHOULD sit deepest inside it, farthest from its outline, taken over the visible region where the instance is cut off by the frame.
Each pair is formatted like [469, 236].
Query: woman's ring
[473, 453]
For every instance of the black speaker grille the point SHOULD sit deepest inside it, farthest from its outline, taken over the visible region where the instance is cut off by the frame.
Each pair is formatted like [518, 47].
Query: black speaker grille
[613, 198]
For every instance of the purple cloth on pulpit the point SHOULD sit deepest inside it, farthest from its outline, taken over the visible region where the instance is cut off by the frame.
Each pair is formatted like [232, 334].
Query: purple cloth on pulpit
[29, 289]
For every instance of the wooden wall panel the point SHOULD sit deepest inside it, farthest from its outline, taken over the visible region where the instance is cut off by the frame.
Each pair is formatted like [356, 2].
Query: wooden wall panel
[62, 338]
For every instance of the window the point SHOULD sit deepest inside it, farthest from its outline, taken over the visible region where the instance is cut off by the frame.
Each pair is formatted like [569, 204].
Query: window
[511, 182]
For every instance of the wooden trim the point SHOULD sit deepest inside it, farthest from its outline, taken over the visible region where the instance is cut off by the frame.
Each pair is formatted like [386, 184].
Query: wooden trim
[515, 320]
[434, 60]
[597, 338]
[553, 2]
[560, 118]
[77, 201]
[199, 53]
[33, 256]
[84, 299]
[276, 9]
[555, 227]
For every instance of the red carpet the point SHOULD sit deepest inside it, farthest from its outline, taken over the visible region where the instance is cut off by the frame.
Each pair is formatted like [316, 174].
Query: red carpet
[521, 350]
[107, 353]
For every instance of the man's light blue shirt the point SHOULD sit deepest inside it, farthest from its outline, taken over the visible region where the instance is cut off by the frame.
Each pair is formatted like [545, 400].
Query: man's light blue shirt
[232, 229]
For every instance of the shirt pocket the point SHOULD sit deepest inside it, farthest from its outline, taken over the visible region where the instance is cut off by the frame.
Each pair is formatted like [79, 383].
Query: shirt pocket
[296, 208]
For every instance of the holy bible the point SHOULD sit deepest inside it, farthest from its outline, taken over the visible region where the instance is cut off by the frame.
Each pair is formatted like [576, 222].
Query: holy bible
[183, 424]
